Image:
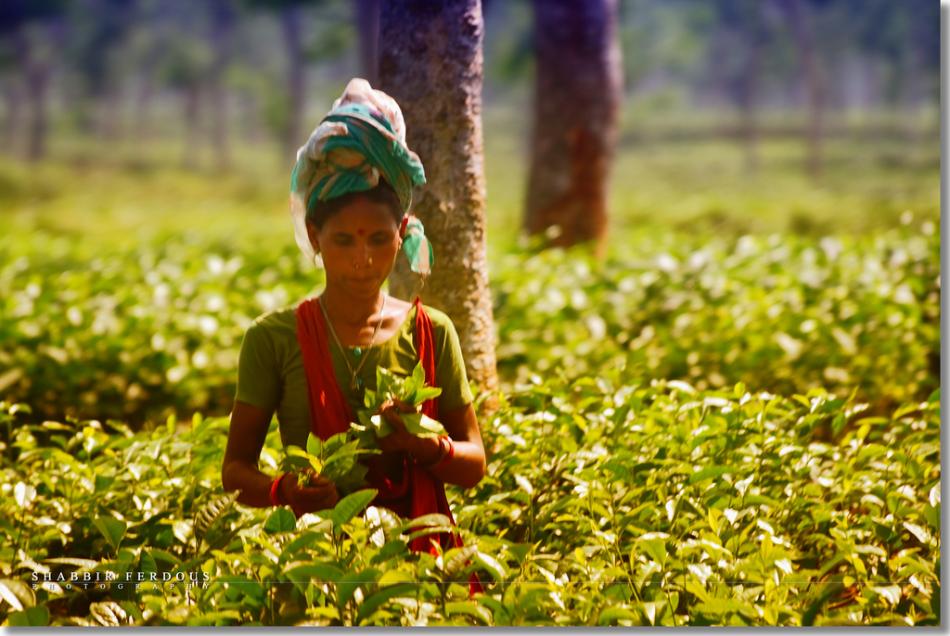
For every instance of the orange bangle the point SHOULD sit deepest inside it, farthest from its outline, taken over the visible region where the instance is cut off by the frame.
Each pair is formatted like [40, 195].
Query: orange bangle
[275, 497]
[442, 452]
[447, 455]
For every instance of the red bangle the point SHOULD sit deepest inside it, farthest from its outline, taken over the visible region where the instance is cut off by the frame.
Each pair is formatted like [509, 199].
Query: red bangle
[447, 455]
[275, 497]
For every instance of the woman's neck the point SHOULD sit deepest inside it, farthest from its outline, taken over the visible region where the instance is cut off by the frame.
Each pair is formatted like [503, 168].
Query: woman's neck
[354, 312]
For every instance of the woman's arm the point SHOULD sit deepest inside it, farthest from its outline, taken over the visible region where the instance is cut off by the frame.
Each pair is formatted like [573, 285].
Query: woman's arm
[245, 441]
[467, 465]
[240, 472]
[465, 468]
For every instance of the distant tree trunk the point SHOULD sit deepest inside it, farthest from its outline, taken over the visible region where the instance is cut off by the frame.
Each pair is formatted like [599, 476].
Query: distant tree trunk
[367, 24]
[143, 102]
[747, 110]
[290, 22]
[803, 34]
[577, 98]
[147, 74]
[222, 36]
[748, 96]
[431, 64]
[916, 71]
[249, 114]
[739, 79]
[192, 109]
[110, 112]
[12, 94]
[36, 74]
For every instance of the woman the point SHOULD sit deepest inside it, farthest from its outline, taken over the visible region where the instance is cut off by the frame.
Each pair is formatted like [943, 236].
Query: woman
[351, 191]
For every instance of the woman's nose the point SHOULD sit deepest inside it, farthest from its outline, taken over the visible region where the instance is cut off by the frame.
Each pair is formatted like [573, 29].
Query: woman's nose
[364, 257]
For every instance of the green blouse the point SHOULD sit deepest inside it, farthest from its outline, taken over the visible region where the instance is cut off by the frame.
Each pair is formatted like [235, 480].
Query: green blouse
[271, 374]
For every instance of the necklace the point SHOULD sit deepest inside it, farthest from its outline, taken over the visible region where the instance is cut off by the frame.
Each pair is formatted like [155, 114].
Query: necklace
[356, 383]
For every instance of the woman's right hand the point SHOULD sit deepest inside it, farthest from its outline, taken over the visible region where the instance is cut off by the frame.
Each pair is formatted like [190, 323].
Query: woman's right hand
[319, 494]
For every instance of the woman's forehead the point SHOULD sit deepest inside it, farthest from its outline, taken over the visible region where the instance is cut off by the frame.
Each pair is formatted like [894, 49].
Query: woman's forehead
[361, 217]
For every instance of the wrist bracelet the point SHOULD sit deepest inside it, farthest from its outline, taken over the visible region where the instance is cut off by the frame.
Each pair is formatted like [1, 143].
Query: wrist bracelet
[275, 495]
[442, 452]
[447, 455]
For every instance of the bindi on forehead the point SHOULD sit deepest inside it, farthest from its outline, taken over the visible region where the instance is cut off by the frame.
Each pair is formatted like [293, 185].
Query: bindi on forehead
[360, 231]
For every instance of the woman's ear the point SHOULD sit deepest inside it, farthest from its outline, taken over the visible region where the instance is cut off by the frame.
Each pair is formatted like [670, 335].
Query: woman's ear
[312, 235]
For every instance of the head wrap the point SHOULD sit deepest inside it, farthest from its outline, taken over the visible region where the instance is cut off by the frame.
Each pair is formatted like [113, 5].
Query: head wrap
[361, 139]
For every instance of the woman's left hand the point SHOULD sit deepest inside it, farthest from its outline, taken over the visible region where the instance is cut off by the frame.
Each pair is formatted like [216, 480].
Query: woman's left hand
[399, 439]
[423, 449]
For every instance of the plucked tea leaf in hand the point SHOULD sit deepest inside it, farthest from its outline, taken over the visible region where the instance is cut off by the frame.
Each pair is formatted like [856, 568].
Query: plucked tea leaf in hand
[295, 459]
[422, 425]
[314, 445]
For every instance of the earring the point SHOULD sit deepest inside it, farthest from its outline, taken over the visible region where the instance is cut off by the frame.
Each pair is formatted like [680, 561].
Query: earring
[318, 260]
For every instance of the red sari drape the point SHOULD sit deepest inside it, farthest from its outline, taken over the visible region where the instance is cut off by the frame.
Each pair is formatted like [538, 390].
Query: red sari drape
[418, 492]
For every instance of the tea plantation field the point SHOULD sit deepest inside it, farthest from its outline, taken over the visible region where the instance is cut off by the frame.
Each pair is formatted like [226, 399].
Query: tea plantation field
[707, 428]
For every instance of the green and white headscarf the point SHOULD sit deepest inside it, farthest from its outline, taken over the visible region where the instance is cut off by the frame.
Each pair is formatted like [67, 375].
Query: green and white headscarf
[361, 139]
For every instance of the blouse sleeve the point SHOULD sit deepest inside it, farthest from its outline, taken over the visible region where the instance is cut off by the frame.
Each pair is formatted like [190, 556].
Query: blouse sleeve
[450, 368]
[258, 381]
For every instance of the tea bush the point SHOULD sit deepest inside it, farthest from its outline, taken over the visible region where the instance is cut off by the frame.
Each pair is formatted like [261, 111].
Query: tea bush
[604, 504]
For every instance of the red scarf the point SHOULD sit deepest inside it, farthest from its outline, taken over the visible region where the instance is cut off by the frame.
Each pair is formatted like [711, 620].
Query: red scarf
[419, 492]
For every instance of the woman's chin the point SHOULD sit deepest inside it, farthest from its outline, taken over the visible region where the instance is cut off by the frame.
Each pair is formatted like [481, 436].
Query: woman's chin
[363, 289]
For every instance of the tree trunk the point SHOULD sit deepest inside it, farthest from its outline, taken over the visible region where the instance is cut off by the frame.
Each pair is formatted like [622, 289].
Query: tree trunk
[143, 104]
[803, 34]
[747, 113]
[110, 112]
[36, 74]
[192, 107]
[431, 64]
[577, 98]
[290, 22]
[367, 24]
[12, 95]
[222, 37]
[748, 95]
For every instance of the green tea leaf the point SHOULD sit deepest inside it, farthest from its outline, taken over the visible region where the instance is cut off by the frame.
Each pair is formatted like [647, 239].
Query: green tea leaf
[496, 569]
[469, 608]
[36, 616]
[351, 505]
[112, 529]
[280, 520]
[109, 614]
[350, 581]
[710, 472]
[455, 560]
[17, 593]
[298, 572]
[379, 598]
[618, 615]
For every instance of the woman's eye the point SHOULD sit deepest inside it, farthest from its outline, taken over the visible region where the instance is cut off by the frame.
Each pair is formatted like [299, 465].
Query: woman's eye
[379, 239]
[342, 240]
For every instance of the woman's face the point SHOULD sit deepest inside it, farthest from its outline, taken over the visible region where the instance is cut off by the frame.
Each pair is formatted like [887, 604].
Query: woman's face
[359, 244]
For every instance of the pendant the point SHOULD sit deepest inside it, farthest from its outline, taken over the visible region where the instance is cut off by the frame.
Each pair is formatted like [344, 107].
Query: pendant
[357, 352]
